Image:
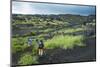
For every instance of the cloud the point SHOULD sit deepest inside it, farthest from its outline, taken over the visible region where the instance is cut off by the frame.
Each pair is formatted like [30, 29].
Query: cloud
[22, 8]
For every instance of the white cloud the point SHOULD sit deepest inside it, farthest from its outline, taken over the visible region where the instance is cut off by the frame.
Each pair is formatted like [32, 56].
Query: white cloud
[22, 8]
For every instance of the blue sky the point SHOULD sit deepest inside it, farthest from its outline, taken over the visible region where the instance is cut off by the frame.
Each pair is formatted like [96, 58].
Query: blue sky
[44, 8]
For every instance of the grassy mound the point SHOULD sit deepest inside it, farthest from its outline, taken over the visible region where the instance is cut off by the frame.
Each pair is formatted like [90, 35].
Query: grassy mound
[64, 42]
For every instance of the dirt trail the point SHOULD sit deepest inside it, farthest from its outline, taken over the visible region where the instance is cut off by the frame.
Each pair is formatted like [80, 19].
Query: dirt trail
[87, 53]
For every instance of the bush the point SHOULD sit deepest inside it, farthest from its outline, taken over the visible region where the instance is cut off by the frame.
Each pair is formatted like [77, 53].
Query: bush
[28, 59]
[29, 34]
[16, 48]
[18, 44]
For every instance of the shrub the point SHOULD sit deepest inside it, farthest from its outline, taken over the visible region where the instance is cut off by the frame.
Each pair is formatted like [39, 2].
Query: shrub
[29, 34]
[28, 59]
[18, 44]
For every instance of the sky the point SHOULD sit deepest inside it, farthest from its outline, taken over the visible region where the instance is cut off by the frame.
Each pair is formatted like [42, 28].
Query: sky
[45, 8]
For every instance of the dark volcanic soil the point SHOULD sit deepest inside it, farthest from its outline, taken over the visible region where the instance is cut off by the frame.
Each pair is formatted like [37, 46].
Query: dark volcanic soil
[86, 53]
[78, 54]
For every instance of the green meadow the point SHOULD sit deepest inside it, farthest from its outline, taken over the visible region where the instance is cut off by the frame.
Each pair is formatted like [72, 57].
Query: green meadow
[63, 32]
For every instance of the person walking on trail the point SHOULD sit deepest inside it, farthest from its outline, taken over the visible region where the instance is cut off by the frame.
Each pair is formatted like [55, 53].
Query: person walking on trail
[40, 47]
[29, 41]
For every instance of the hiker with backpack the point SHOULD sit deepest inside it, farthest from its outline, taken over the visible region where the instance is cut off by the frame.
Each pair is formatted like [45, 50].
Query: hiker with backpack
[40, 47]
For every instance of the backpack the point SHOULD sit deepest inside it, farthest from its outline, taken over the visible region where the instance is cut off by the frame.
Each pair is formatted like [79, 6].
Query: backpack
[40, 44]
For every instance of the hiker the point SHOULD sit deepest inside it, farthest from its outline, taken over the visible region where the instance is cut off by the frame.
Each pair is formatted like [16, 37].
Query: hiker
[40, 47]
[29, 41]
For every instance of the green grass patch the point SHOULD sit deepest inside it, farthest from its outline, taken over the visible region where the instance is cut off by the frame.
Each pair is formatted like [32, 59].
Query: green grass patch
[27, 59]
[71, 30]
[64, 42]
